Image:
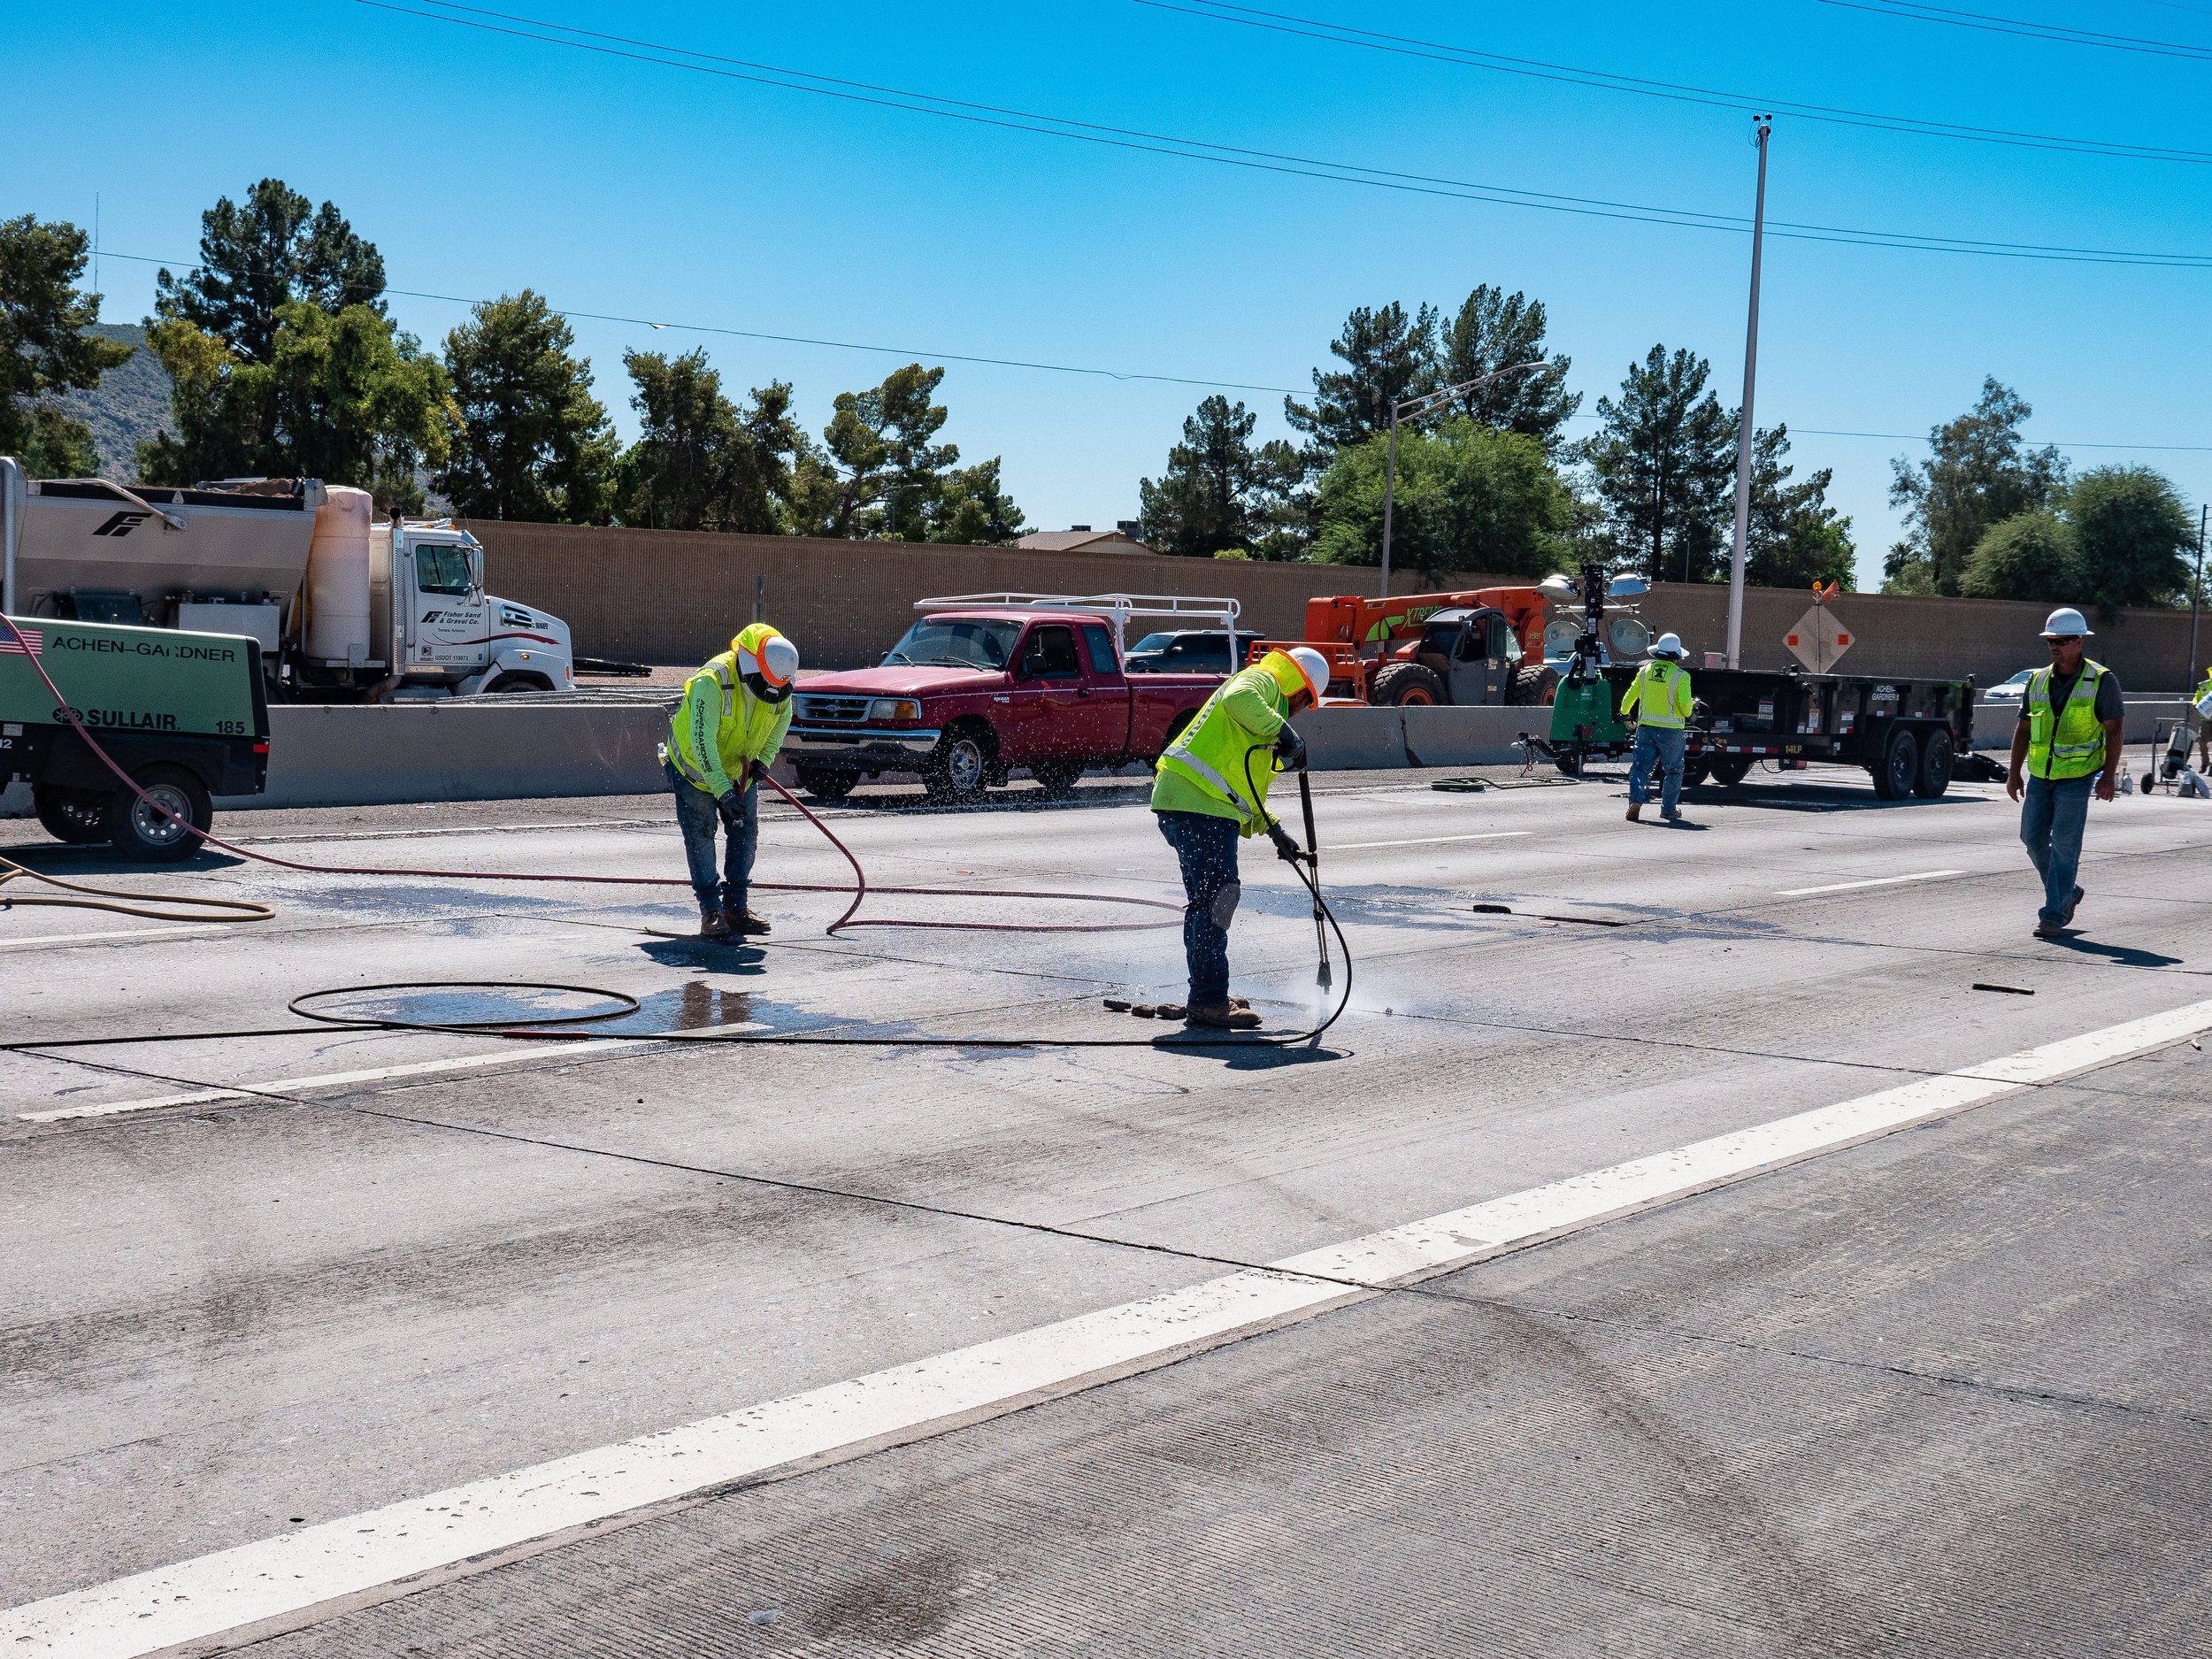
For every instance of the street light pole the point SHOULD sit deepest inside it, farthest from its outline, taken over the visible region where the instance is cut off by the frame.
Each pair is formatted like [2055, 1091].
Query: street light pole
[1764, 125]
[1421, 406]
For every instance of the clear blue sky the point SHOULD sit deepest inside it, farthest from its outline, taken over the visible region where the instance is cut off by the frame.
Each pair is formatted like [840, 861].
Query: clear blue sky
[480, 162]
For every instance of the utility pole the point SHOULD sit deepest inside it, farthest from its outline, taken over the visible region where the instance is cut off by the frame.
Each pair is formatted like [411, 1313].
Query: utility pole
[95, 249]
[1421, 406]
[2196, 598]
[1762, 126]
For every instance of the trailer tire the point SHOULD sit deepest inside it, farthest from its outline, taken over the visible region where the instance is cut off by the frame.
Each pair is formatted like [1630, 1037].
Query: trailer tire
[958, 770]
[1938, 750]
[1696, 770]
[78, 817]
[1895, 773]
[827, 786]
[1406, 686]
[141, 834]
[1569, 761]
[1730, 770]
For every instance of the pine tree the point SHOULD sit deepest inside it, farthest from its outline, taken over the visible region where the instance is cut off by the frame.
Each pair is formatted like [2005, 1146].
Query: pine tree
[535, 444]
[45, 347]
[256, 259]
[1495, 330]
[1221, 492]
[1388, 356]
[1665, 465]
[1979, 472]
[702, 464]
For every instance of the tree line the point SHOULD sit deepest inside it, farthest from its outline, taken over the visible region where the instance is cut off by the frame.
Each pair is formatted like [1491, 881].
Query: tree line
[284, 362]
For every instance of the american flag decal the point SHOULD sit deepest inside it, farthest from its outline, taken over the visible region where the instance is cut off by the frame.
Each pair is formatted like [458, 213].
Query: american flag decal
[22, 642]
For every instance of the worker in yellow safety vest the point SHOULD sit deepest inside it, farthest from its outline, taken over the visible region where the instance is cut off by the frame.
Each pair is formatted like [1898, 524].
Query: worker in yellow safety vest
[2065, 745]
[2201, 699]
[723, 739]
[1660, 697]
[1211, 793]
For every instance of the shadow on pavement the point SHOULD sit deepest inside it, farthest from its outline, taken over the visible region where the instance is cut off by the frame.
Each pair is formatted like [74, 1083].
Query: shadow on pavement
[2119, 955]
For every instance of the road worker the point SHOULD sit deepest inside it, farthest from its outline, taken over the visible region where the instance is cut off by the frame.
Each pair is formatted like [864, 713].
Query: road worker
[2201, 698]
[723, 739]
[1211, 792]
[2065, 745]
[1659, 694]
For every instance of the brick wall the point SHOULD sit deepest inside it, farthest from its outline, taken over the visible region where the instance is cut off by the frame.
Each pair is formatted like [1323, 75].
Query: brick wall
[676, 597]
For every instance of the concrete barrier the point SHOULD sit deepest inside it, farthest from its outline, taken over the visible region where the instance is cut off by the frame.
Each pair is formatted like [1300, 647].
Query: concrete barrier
[378, 755]
[1352, 739]
[1470, 737]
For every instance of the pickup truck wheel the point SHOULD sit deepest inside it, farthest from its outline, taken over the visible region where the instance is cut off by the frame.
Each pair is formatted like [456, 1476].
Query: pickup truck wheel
[1406, 686]
[141, 833]
[1534, 685]
[958, 770]
[1057, 779]
[79, 817]
[1938, 750]
[827, 786]
[1899, 765]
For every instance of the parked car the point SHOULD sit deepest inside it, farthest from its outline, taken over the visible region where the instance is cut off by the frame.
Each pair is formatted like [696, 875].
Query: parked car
[970, 693]
[2010, 690]
[1188, 651]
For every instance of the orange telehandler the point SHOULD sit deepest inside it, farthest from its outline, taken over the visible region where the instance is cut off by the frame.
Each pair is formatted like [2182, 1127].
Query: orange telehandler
[1483, 646]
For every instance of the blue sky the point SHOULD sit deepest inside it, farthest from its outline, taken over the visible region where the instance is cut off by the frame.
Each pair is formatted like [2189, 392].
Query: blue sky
[480, 162]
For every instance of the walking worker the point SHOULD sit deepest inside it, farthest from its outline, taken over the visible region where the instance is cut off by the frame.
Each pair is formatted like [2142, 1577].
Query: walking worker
[2200, 699]
[1211, 792]
[2066, 743]
[1659, 694]
[723, 737]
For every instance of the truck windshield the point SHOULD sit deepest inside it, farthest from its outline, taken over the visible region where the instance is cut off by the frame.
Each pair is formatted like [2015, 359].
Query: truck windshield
[441, 569]
[956, 642]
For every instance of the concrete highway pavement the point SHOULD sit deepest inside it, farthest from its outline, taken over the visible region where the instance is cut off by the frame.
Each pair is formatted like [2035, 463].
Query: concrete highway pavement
[1943, 1391]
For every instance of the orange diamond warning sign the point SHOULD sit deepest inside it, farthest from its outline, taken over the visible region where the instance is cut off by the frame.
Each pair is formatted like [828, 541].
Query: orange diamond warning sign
[1817, 639]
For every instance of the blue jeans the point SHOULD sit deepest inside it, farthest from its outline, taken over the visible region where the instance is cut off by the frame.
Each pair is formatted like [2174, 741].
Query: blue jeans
[2052, 818]
[1206, 848]
[1661, 744]
[697, 812]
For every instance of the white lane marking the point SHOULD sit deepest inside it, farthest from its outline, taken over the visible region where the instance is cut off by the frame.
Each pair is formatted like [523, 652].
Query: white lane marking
[1427, 840]
[124, 933]
[1876, 881]
[329, 1079]
[276, 1583]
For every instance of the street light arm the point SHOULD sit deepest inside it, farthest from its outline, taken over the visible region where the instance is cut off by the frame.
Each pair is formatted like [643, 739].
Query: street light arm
[1427, 400]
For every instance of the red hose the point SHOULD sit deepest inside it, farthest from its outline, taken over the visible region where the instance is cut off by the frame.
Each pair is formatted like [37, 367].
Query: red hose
[859, 890]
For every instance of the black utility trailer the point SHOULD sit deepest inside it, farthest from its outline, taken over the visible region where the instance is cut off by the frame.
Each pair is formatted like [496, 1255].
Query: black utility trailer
[1912, 736]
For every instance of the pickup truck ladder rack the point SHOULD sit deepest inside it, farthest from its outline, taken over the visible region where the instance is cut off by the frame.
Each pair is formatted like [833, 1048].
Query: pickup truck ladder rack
[1117, 608]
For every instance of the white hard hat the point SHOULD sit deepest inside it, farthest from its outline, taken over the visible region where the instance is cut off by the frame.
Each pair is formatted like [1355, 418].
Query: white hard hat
[777, 662]
[1314, 667]
[1667, 645]
[2065, 621]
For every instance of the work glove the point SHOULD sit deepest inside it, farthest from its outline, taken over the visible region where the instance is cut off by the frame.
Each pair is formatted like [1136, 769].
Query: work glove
[1290, 749]
[1285, 849]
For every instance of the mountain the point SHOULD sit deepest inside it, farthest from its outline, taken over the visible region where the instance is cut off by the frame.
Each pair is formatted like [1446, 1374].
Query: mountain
[130, 405]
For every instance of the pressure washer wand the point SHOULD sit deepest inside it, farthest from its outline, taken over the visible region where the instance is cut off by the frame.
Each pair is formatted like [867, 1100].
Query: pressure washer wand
[1313, 866]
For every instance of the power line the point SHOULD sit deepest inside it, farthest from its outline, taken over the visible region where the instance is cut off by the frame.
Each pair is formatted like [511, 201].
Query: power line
[2059, 32]
[805, 340]
[1063, 368]
[1470, 58]
[1257, 160]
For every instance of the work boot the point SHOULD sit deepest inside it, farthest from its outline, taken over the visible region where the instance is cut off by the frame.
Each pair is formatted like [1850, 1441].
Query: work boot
[2050, 930]
[713, 924]
[1671, 817]
[749, 922]
[1221, 1016]
[2072, 905]
[1238, 1002]
[1635, 810]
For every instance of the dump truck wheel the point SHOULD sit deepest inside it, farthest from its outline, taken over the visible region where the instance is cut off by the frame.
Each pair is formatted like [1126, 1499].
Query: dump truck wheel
[1534, 686]
[141, 833]
[76, 816]
[1899, 765]
[1938, 750]
[1406, 686]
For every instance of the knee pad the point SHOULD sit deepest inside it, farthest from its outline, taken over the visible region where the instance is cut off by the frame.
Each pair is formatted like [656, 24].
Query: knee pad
[1225, 904]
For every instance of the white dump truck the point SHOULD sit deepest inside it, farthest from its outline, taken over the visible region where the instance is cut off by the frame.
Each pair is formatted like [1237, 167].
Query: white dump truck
[346, 608]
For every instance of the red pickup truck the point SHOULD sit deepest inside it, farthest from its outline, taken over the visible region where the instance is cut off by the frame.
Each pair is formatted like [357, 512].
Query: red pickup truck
[969, 695]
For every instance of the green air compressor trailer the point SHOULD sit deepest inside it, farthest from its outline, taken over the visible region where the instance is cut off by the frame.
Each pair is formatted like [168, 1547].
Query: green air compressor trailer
[185, 714]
